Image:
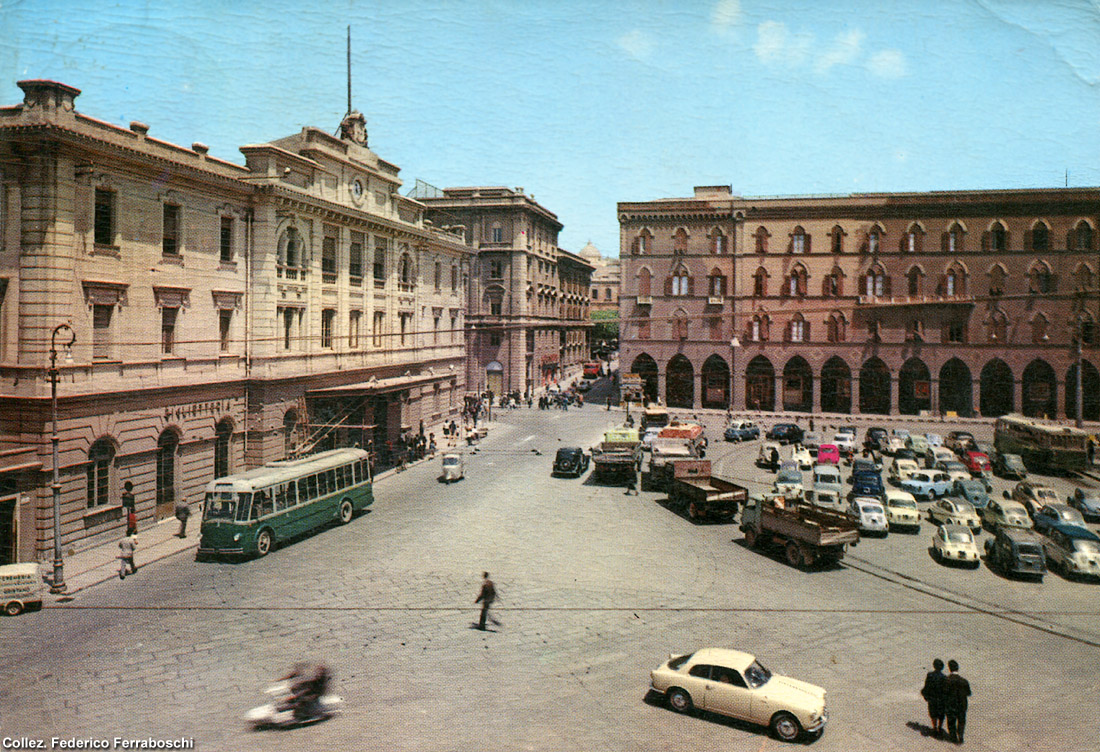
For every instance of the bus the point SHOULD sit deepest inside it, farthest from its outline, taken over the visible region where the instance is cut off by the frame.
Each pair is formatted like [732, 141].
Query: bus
[1042, 447]
[249, 513]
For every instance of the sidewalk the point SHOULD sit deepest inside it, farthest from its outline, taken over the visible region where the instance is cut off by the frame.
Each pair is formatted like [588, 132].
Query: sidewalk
[100, 563]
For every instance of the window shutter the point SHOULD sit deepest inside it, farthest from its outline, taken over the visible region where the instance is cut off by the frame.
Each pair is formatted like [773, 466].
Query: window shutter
[886, 285]
[942, 287]
[1071, 240]
[787, 332]
[944, 240]
[987, 241]
[903, 243]
[808, 243]
[1027, 240]
[785, 291]
[839, 285]
[801, 284]
[668, 286]
[634, 246]
[805, 331]
[825, 289]
[691, 286]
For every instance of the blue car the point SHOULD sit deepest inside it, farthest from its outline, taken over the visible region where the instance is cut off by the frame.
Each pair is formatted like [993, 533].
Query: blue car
[972, 490]
[1050, 515]
[867, 484]
[744, 430]
[927, 484]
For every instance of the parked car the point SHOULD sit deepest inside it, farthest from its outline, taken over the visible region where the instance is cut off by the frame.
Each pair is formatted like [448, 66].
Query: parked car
[895, 444]
[917, 445]
[901, 511]
[865, 465]
[955, 543]
[1005, 513]
[768, 456]
[649, 436]
[742, 430]
[869, 514]
[955, 512]
[1087, 502]
[826, 497]
[1073, 550]
[900, 470]
[900, 433]
[827, 487]
[570, 461]
[867, 484]
[1016, 551]
[957, 440]
[828, 454]
[785, 433]
[812, 440]
[453, 467]
[933, 439]
[828, 476]
[926, 484]
[955, 470]
[971, 490]
[788, 482]
[1033, 495]
[732, 683]
[977, 463]
[1057, 514]
[1008, 465]
[937, 455]
[875, 439]
[845, 442]
[905, 454]
[802, 456]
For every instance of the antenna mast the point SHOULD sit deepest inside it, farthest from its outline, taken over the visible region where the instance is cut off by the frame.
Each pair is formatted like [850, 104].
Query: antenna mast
[349, 70]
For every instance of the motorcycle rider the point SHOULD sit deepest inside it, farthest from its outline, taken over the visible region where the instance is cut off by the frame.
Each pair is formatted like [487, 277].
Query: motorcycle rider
[308, 683]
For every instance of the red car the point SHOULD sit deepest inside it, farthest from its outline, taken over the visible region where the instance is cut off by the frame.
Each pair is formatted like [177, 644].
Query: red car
[828, 454]
[978, 465]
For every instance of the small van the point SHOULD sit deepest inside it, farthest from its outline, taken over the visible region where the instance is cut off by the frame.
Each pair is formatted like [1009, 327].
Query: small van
[21, 588]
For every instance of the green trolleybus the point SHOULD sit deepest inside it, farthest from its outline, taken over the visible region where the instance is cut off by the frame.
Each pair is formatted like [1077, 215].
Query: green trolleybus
[250, 512]
[1042, 447]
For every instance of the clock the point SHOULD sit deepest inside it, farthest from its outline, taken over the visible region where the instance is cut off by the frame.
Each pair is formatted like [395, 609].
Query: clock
[357, 189]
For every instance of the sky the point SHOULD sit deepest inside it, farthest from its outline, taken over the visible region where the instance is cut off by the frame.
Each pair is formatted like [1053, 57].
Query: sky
[585, 104]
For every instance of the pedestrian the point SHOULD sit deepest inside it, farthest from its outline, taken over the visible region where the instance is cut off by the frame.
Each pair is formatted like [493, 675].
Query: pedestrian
[128, 506]
[126, 563]
[811, 422]
[608, 404]
[183, 512]
[956, 690]
[932, 692]
[631, 484]
[486, 597]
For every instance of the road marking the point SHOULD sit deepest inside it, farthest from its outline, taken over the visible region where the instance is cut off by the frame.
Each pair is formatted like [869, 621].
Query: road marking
[527, 439]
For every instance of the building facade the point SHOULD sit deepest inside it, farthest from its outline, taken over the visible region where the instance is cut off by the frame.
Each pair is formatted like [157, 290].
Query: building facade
[220, 316]
[605, 279]
[967, 303]
[528, 303]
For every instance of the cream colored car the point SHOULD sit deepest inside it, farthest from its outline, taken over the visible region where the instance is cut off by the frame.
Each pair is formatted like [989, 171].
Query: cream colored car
[732, 683]
[955, 543]
[902, 510]
[900, 470]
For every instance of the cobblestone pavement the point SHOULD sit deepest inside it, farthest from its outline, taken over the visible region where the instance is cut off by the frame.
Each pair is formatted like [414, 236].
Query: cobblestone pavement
[597, 588]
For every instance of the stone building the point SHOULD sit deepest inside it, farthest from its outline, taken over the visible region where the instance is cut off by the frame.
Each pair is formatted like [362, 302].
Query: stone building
[528, 304]
[221, 316]
[964, 302]
[605, 279]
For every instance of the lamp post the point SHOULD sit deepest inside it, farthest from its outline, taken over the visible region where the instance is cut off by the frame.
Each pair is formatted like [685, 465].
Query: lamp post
[1079, 420]
[57, 584]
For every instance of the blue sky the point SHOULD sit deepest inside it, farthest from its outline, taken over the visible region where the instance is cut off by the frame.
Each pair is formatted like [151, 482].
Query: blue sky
[585, 104]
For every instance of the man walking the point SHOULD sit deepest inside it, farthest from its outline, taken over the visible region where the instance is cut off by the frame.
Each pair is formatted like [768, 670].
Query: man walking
[486, 597]
[932, 692]
[126, 548]
[183, 513]
[956, 690]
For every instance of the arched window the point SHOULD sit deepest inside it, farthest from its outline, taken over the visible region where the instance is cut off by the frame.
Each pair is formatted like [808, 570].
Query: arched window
[291, 261]
[760, 283]
[954, 282]
[680, 323]
[915, 278]
[644, 282]
[223, 438]
[716, 283]
[758, 328]
[680, 283]
[997, 277]
[1083, 236]
[998, 327]
[101, 472]
[718, 243]
[1040, 237]
[876, 283]
[874, 239]
[836, 328]
[798, 329]
[643, 243]
[998, 237]
[680, 240]
[167, 451]
[405, 272]
[954, 238]
[290, 428]
[800, 241]
[1039, 326]
[496, 233]
[1041, 280]
[832, 285]
[796, 282]
[761, 236]
[913, 240]
[1083, 278]
[836, 239]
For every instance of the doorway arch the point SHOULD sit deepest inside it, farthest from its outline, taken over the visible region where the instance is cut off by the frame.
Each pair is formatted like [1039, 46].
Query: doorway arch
[914, 387]
[1040, 390]
[760, 384]
[955, 388]
[874, 387]
[798, 385]
[836, 386]
[680, 383]
[645, 366]
[1090, 388]
[996, 389]
[716, 383]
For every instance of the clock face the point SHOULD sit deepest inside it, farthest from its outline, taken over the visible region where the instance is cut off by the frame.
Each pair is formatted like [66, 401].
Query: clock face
[356, 188]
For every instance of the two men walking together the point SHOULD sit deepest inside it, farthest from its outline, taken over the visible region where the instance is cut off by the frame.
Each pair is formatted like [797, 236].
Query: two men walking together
[947, 697]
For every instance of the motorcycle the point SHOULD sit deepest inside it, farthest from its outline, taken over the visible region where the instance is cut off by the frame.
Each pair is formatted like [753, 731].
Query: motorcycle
[278, 714]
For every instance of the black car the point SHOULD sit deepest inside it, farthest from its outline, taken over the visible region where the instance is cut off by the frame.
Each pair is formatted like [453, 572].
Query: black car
[570, 461]
[875, 438]
[1016, 551]
[785, 433]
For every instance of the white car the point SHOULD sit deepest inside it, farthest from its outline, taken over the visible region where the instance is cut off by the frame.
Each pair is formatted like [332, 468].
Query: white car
[901, 470]
[955, 543]
[955, 512]
[802, 456]
[894, 443]
[453, 467]
[869, 514]
[901, 510]
[648, 437]
[955, 470]
[845, 442]
[938, 454]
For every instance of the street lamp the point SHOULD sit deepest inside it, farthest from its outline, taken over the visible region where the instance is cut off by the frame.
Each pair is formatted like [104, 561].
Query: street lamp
[1080, 417]
[57, 584]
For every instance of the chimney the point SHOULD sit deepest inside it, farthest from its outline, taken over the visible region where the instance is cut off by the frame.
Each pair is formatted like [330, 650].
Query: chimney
[200, 148]
[139, 128]
[48, 97]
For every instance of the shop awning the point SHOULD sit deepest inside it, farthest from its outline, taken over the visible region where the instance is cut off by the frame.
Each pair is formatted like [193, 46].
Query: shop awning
[378, 386]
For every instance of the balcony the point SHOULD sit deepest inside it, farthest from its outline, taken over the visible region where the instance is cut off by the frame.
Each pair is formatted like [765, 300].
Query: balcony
[715, 300]
[898, 301]
[645, 300]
